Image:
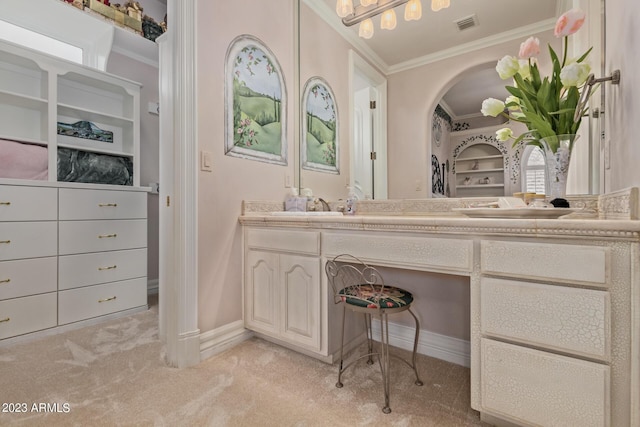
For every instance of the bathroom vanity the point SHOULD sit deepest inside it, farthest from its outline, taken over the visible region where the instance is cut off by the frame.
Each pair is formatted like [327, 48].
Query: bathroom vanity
[555, 303]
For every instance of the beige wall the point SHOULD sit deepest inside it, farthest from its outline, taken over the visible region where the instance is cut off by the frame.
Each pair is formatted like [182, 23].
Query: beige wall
[413, 95]
[233, 179]
[622, 107]
[147, 75]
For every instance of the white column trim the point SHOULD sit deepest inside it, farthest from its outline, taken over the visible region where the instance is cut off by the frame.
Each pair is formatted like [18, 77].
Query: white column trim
[183, 342]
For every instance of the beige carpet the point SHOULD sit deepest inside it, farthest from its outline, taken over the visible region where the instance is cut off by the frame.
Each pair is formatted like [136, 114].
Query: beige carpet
[113, 374]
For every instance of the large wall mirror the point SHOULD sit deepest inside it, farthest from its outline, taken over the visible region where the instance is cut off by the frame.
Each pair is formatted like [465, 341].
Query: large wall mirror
[428, 78]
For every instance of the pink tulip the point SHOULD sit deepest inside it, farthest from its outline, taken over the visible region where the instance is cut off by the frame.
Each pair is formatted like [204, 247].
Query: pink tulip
[569, 23]
[529, 48]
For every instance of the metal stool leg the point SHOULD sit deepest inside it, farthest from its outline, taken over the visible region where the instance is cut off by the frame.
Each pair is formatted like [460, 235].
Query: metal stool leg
[367, 324]
[344, 315]
[415, 349]
[384, 359]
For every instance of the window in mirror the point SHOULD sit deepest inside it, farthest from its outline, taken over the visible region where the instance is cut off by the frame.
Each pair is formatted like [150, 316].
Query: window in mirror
[534, 170]
[320, 145]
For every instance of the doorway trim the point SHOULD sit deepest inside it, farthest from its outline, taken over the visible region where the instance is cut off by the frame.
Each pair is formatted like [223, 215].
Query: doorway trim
[179, 293]
[358, 65]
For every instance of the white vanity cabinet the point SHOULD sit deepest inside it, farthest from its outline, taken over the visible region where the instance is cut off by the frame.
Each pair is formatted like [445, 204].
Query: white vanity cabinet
[282, 285]
[546, 332]
[554, 304]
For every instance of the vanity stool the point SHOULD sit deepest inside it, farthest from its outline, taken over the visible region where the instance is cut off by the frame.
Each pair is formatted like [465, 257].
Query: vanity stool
[360, 288]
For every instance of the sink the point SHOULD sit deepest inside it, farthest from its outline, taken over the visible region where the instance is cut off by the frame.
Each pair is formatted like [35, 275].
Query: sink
[310, 213]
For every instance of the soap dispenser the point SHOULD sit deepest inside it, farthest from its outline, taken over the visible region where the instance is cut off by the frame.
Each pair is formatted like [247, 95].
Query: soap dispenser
[350, 208]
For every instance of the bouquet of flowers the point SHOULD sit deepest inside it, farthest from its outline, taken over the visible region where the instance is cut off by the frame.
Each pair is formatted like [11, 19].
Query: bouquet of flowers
[547, 106]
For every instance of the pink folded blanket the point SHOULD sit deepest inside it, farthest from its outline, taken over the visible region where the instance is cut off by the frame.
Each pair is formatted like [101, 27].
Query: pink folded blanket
[23, 161]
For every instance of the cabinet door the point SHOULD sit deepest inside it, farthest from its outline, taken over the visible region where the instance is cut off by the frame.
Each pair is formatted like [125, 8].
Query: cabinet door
[261, 292]
[300, 301]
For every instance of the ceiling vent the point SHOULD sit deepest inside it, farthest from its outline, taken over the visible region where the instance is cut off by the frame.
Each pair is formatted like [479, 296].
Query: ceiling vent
[467, 22]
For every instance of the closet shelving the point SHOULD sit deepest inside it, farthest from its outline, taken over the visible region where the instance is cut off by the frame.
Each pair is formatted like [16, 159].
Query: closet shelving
[480, 171]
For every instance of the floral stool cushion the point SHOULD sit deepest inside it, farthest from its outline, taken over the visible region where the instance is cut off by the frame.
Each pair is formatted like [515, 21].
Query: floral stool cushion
[375, 296]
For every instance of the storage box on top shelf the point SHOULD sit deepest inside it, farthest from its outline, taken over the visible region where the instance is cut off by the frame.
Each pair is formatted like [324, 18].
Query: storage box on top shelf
[120, 18]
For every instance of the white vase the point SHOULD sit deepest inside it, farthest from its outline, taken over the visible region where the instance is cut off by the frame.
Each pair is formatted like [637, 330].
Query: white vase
[557, 153]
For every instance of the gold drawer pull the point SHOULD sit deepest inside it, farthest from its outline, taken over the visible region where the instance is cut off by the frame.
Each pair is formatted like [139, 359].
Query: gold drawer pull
[5, 203]
[5, 281]
[5, 320]
[5, 241]
[107, 268]
[107, 299]
[107, 205]
[106, 236]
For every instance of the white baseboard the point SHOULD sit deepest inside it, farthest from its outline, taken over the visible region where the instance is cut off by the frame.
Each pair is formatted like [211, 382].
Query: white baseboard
[153, 286]
[223, 338]
[442, 347]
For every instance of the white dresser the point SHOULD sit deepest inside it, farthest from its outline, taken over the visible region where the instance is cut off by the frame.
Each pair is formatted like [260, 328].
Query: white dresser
[69, 253]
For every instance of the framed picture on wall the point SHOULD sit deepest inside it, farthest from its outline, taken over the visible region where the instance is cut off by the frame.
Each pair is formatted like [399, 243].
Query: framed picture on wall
[320, 142]
[255, 103]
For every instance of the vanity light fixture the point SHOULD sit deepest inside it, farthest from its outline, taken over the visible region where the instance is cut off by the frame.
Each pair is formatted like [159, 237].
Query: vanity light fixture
[344, 8]
[388, 20]
[366, 29]
[367, 9]
[436, 5]
[413, 10]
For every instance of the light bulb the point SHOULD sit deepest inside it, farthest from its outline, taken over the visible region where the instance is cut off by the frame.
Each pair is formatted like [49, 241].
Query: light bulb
[344, 8]
[366, 29]
[366, 3]
[413, 10]
[436, 5]
[388, 20]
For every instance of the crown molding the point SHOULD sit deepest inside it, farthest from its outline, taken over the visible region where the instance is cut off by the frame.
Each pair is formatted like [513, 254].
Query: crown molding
[330, 17]
[462, 49]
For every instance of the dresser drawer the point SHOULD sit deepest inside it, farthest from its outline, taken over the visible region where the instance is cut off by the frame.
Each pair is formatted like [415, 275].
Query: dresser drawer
[101, 204]
[93, 301]
[301, 242]
[97, 236]
[28, 277]
[101, 267]
[22, 203]
[28, 239]
[538, 388]
[578, 264]
[27, 314]
[556, 317]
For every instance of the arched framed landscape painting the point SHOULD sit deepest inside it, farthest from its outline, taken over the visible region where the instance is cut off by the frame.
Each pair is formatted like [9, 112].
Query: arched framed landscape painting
[255, 102]
[320, 144]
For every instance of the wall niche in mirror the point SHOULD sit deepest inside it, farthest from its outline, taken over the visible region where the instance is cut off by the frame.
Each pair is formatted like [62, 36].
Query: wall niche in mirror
[320, 137]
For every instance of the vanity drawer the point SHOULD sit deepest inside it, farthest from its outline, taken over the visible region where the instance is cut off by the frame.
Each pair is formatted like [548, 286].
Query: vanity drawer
[102, 204]
[28, 277]
[407, 251]
[23, 203]
[101, 267]
[589, 265]
[97, 236]
[301, 242]
[537, 388]
[28, 239]
[556, 317]
[98, 300]
[27, 314]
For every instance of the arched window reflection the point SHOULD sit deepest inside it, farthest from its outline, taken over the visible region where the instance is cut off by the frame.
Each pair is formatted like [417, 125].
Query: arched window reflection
[533, 170]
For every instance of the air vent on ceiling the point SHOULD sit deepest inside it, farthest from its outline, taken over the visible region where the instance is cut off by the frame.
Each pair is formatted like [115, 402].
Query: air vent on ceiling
[467, 22]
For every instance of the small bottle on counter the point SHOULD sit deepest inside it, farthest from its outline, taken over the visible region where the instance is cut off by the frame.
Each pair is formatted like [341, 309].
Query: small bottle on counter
[350, 204]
